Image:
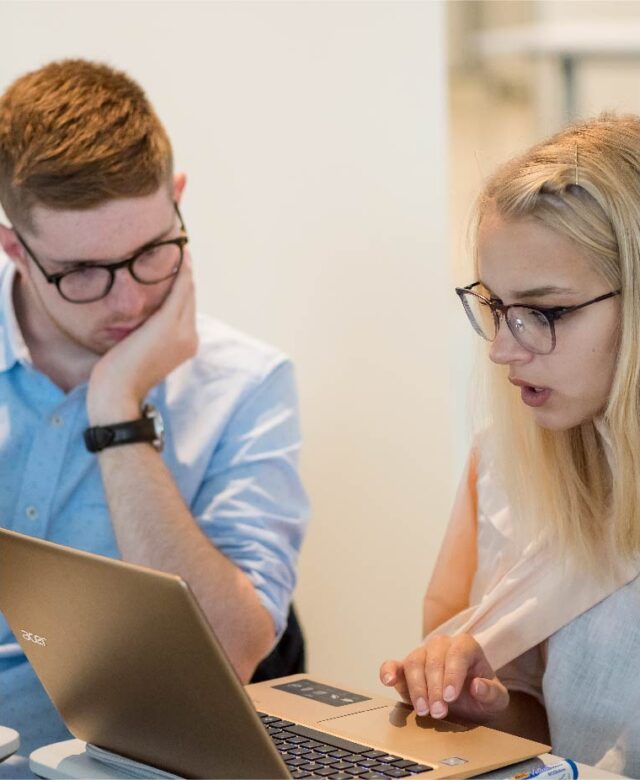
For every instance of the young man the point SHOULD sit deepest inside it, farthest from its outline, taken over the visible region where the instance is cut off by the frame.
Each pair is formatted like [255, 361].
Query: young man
[100, 344]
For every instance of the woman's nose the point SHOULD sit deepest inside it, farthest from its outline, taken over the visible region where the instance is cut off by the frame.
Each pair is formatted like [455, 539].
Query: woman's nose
[505, 348]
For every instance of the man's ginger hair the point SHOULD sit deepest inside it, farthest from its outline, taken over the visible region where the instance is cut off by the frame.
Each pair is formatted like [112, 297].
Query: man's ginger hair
[75, 134]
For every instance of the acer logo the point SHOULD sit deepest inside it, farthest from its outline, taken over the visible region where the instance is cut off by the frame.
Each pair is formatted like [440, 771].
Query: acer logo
[37, 640]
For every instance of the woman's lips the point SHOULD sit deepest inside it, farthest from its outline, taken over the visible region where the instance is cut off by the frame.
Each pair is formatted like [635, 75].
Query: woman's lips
[531, 394]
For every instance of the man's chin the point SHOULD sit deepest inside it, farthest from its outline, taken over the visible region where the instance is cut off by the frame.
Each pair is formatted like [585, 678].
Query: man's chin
[99, 344]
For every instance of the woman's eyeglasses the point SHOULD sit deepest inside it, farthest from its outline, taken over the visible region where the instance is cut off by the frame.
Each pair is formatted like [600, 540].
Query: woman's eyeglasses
[533, 327]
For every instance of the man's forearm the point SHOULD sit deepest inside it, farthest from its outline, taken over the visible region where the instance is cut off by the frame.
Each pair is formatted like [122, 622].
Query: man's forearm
[154, 527]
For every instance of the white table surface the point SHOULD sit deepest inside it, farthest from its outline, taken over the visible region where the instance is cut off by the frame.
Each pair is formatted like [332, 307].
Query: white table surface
[68, 760]
[9, 742]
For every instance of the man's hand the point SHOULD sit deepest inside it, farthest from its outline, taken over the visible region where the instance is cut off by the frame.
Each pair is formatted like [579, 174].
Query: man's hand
[121, 379]
[448, 675]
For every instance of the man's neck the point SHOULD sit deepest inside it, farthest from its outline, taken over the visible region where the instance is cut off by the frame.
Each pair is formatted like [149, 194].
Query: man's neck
[52, 351]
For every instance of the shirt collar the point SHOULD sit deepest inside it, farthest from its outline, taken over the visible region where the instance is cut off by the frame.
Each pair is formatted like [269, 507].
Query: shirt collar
[13, 348]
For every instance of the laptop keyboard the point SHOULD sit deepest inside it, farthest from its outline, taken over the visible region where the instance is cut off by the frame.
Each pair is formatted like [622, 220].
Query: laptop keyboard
[311, 753]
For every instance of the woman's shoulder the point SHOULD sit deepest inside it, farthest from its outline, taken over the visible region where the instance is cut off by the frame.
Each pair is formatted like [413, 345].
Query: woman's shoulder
[496, 538]
[492, 503]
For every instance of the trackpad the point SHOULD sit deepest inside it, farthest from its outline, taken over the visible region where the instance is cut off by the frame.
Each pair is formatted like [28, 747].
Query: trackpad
[397, 729]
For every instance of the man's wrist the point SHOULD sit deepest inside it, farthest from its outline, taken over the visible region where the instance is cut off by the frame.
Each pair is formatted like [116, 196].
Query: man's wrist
[116, 409]
[147, 427]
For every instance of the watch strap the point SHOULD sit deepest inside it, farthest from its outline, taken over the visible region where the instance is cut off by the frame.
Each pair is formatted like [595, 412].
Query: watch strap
[144, 429]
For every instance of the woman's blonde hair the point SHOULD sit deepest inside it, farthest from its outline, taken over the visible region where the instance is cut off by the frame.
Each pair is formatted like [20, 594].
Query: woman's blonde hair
[583, 183]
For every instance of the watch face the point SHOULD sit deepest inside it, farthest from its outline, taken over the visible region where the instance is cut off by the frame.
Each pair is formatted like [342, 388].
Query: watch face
[151, 413]
[158, 425]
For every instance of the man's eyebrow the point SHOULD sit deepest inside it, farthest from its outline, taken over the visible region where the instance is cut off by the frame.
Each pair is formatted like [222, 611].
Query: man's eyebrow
[73, 263]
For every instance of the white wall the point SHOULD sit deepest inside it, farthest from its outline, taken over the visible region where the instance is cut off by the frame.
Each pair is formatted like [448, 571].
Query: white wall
[313, 134]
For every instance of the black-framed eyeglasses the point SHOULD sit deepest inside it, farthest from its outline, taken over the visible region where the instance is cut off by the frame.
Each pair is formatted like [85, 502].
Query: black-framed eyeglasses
[533, 327]
[89, 282]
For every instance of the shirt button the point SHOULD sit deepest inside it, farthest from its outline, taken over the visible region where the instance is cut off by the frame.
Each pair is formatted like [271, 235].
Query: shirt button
[56, 420]
[31, 512]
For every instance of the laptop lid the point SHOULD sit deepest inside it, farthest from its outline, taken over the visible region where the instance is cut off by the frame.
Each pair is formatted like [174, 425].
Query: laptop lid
[130, 662]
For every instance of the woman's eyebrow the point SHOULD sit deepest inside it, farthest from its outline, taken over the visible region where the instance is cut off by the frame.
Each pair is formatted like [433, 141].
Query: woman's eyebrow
[541, 292]
[532, 292]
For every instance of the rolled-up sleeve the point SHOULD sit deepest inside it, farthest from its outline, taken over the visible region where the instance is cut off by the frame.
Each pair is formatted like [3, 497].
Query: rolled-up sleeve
[252, 504]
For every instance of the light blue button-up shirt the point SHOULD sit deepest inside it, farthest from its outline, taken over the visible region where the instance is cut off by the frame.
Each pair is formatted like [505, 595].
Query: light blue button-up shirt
[232, 441]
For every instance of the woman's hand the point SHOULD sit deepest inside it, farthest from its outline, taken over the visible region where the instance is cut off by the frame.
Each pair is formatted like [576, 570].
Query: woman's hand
[448, 675]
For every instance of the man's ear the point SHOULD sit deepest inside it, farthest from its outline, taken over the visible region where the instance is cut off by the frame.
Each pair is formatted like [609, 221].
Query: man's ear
[179, 182]
[12, 247]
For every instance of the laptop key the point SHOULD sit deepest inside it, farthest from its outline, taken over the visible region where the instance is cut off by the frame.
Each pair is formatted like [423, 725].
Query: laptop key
[273, 720]
[342, 766]
[404, 763]
[373, 776]
[266, 719]
[297, 774]
[328, 739]
[341, 753]
[389, 759]
[295, 761]
[327, 760]
[354, 770]
[325, 749]
[328, 770]
[297, 750]
[311, 766]
[341, 776]
[393, 771]
[415, 769]
[374, 753]
[367, 762]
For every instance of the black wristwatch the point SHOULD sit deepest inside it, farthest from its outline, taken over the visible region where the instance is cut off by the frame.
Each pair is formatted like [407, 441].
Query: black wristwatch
[150, 427]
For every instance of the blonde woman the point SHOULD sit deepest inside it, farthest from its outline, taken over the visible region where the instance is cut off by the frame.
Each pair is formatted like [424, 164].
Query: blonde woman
[532, 615]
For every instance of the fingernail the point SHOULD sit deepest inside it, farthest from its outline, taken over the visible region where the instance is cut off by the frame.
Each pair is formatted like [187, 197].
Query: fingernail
[438, 710]
[482, 689]
[421, 707]
[449, 693]
[387, 679]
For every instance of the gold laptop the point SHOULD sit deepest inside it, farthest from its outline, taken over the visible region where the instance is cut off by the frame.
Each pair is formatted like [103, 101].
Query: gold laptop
[132, 665]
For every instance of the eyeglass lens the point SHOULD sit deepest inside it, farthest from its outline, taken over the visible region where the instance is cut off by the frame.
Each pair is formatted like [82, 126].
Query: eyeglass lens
[530, 327]
[91, 283]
